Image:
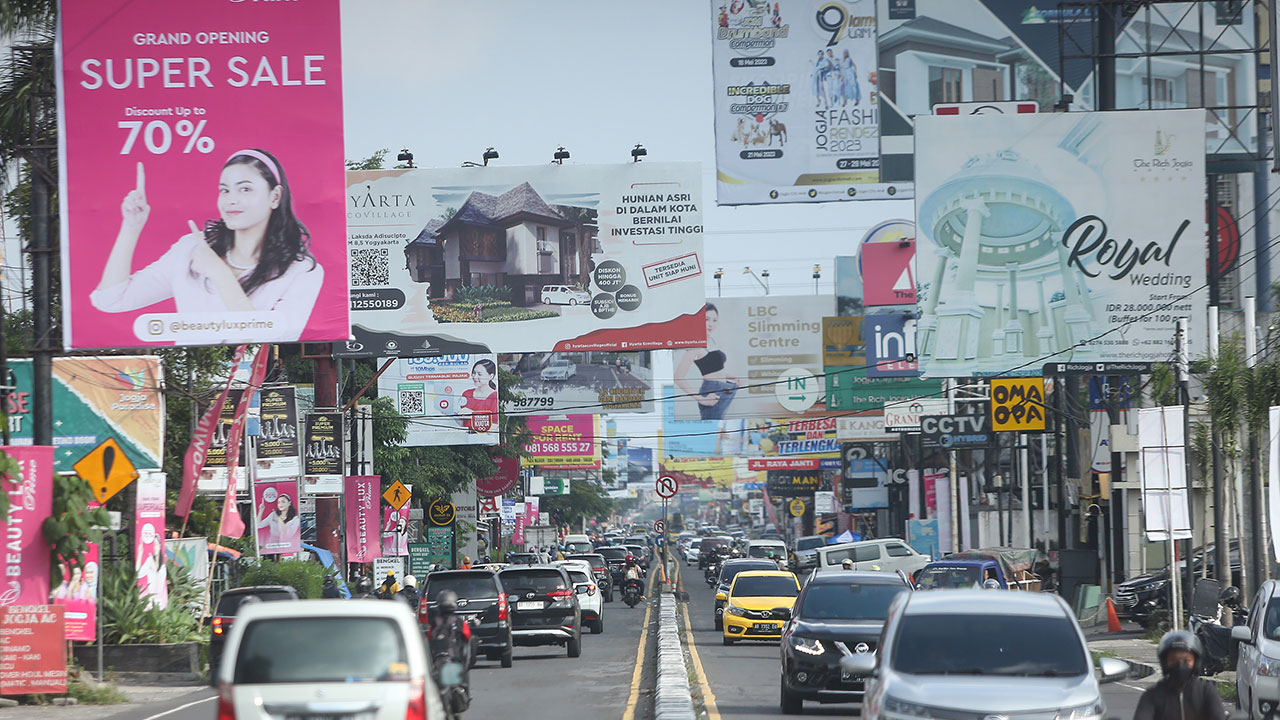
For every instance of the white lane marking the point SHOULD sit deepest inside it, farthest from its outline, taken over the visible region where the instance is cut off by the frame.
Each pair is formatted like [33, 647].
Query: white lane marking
[181, 707]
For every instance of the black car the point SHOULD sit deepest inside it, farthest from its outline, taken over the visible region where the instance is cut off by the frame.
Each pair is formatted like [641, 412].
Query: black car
[522, 559]
[600, 569]
[1139, 597]
[481, 602]
[640, 553]
[616, 557]
[727, 573]
[544, 607]
[838, 613]
[224, 615]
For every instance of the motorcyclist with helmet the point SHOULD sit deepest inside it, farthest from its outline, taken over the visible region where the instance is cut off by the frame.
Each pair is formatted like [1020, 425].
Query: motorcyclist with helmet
[364, 588]
[631, 577]
[1180, 694]
[449, 641]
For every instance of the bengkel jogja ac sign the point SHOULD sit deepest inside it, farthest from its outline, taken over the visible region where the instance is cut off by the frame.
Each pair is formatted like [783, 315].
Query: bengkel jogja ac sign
[956, 431]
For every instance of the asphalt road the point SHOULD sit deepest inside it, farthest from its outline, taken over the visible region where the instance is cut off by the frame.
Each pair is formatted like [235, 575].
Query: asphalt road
[543, 683]
[744, 677]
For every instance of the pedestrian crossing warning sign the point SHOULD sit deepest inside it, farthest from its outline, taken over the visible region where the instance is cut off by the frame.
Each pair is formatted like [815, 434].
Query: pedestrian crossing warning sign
[396, 495]
[107, 470]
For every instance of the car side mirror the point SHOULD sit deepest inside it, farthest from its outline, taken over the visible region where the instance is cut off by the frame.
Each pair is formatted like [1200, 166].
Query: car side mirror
[582, 590]
[1112, 669]
[1242, 633]
[858, 663]
[722, 596]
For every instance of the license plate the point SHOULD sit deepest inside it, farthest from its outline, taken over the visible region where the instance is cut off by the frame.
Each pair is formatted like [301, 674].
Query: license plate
[764, 628]
[532, 605]
[318, 716]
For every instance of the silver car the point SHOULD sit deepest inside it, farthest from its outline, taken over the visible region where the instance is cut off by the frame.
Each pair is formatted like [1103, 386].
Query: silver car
[982, 653]
[1258, 669]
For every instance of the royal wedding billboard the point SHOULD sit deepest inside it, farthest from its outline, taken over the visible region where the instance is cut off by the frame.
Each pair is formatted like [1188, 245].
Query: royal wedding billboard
[525, 259]
[797, 112]
[200, 149]
[1068, 236]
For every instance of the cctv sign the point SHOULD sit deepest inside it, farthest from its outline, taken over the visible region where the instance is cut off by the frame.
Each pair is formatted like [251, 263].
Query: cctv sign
[956, 431]
[905, 416]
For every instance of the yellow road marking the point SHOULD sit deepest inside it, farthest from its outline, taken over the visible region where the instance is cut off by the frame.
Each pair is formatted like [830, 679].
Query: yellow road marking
[708, 697]
[634, 698]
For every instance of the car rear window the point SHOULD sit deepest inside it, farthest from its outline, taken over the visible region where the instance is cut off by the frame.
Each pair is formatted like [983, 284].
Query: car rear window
[580, 546]
[321, 649]
[710, 543]
[539, 581]
[810, 543]
[848, 602]
[637, 540]
[229, 603]
[765, 586]
[578, 576]
[596, 562]
[932, 578]
[613, 553]
[729, 572]
[466, 586]
[962, 644]
[759, 551]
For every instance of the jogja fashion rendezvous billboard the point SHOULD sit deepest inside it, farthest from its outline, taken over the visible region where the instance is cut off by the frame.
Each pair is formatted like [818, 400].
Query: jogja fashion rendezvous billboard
[525, 259]
[1057, 237]
[200, 147]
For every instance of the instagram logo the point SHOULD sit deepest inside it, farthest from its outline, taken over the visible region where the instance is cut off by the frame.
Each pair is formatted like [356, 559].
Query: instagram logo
[155, 327]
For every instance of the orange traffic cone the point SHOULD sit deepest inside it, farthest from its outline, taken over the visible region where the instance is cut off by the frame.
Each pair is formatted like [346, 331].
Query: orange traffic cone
[1113, 622]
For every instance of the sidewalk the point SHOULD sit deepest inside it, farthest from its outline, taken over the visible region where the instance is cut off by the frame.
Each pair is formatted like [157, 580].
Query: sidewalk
[1132, 646]
[137, 695]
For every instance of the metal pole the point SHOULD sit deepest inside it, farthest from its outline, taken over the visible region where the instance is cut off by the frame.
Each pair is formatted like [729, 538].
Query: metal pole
[1182, 340]
[1044, 488]
[1257, 531]
[1107, 55]
[1221, 566]
[42, 315]
[1024, 477]
[1061, 464]
[955, 480]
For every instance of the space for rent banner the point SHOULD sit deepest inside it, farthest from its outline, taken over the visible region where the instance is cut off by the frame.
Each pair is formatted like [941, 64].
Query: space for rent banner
[201, 155]
[525, 259]
[797, 111]
[1066, 236]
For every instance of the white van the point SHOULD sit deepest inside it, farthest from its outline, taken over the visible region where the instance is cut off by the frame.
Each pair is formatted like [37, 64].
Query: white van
[579, 544]
[887, 554]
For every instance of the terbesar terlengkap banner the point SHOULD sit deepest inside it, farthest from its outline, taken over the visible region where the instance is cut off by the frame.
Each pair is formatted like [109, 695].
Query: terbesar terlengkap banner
[1065, 237]
[200, 148]
[525, 259]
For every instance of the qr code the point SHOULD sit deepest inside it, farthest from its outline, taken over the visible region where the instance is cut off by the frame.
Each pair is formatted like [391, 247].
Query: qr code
[370, 266]
[412, 401]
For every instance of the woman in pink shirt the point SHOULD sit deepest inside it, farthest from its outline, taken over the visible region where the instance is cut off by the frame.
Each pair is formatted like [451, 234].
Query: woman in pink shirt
[255, 257]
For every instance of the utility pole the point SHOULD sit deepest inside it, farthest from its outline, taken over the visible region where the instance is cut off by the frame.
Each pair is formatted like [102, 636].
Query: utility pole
[1181, 341]
[1221, 562]
[1257, 552]
[37, 154]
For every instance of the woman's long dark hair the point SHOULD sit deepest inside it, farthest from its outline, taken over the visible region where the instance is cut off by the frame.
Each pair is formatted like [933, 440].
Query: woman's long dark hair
[491, 368]
[286, 241]
[293, 508]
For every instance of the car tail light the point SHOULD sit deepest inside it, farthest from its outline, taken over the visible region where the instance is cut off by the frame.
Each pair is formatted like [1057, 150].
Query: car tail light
[221, 626]
[502, 607]
[591, 589]
[424, 613]
[226, 704]
[560, 594]
[417, 709]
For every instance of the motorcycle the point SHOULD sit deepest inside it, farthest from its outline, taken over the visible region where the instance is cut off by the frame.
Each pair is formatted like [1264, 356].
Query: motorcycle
[449, 643]
[632, 592]
[1220, 651]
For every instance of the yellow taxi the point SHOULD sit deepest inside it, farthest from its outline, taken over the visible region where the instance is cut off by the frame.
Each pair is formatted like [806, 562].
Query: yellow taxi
[758, 604]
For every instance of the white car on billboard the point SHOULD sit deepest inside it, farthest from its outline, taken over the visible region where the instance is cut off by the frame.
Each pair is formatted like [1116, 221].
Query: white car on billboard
[559, 369]
[564, 295]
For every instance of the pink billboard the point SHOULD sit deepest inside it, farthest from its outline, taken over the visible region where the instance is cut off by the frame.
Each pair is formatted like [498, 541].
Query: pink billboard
[148, 539]
[395, 531]
[565, 441]
[203, 182]
[363, 536]
[79, 593]
[275, 514]
[24, 564]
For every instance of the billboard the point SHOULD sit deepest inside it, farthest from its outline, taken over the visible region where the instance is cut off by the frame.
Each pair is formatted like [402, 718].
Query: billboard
[564, 441]
[322, 465]
[447, 400]
[1042, 232]
[525, 259]
[607, 382]
[95, 398]
[148, 539]
[763, 358]
[186, 218]
[987, 52]
[276, 521]
[797, 112]
[278, 442]
[24, 565]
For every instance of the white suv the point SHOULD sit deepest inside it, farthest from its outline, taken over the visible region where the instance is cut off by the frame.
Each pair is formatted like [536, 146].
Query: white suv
[564, 295]
[590, 596]
[1258, 669]
[306, 658]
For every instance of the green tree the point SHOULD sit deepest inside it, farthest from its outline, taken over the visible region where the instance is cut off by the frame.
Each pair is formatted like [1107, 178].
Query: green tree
[586, 501]
[376, 161]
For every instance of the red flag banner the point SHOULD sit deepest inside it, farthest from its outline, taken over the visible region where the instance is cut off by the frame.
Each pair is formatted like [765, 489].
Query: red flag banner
[198, 450]
[232, 525]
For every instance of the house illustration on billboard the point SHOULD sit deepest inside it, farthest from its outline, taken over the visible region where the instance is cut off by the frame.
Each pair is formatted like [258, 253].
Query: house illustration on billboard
[516, 240]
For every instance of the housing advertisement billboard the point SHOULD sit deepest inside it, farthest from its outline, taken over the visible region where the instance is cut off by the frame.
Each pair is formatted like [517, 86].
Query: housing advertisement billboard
[797, 113]
[1041, 232]
[763, 358]
[447, 400]
[563, 441]
[200, 150]
[605, 382]
[525, 259]
[95, 398]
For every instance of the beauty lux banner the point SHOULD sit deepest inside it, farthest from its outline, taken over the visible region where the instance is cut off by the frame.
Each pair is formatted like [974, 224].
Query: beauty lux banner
[363, 537]
[202, 173]
[1044, 231]
[24, 564]
[797, 107]
[525, 259]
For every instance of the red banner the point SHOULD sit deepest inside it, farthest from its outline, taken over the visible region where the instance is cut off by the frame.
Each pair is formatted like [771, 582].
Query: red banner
[198, 450]
[232, 524]
[364, 542]
[504, 477]
[783, 463]
[33, 654]
[24, 562]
